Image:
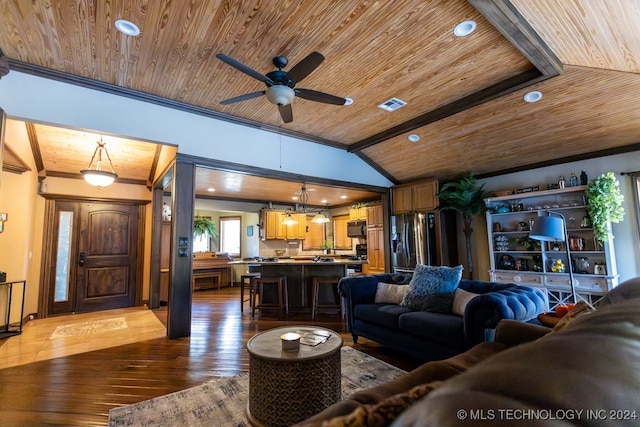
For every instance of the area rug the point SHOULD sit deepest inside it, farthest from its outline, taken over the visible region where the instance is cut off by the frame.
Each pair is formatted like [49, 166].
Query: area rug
[87, 328]
[222, 402]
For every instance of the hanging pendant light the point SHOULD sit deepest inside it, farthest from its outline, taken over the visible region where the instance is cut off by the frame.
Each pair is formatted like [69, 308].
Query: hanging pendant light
[289, 220]
[97, 176]
[320, 218]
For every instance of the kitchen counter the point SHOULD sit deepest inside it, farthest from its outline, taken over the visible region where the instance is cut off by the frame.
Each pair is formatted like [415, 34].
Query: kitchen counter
[300, 273]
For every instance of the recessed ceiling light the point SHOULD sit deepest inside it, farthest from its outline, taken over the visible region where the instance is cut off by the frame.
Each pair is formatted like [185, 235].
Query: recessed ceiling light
[348, 101]
[343, 197]
[323, 201]
[294, 198]
[533, 96]
[211, 190]
[127, 27]
[464, 28]
[413, 137]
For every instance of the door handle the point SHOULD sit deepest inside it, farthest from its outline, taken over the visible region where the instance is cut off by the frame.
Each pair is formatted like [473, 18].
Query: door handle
[81, 259]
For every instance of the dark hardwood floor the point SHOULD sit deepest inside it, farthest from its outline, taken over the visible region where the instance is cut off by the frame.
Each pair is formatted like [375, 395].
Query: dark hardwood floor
[79, 390]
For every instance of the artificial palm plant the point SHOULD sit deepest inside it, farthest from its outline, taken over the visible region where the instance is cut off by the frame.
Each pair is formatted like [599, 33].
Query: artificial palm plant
[465, 196]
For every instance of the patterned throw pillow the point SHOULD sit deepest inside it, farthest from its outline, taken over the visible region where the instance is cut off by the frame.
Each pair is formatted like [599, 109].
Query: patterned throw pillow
[432, 288]
[390, 293]
[383, 413]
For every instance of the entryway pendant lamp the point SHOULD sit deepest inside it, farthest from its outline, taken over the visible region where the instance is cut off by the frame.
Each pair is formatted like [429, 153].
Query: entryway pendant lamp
[97, 176]
[549, 228]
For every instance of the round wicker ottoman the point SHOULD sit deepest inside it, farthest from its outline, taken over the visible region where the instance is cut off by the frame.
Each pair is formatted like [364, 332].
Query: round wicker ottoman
[288, 387]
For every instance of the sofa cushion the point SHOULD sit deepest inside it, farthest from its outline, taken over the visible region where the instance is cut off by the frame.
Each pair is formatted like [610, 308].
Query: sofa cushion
[380, 314]
[431, 288]
[390, 293]
[460, 300]
[593, 364]
[442, 328]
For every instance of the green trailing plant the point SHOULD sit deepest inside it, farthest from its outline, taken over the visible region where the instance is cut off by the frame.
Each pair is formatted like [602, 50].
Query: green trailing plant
[466, 197]
[604, 204]
[203, 226]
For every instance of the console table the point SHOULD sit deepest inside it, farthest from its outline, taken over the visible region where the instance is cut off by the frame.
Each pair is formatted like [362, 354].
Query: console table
[8, 329]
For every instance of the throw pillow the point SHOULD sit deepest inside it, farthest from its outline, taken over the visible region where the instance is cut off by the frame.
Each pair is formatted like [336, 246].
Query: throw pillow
[432, 288]
[383, 413]
[460, 300]
[390, 293]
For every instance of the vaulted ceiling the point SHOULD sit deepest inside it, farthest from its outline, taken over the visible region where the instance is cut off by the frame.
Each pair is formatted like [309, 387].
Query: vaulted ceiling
[464, 95]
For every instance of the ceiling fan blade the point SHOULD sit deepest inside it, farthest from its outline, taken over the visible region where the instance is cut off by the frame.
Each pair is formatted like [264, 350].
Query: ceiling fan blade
[303, 68]
[243, 97]
[244, 68]
[286, 112]
[314, 95]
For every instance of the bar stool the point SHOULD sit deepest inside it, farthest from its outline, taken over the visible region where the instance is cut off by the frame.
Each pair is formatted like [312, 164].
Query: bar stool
[282, 303]
[243, 284]
[315, 291]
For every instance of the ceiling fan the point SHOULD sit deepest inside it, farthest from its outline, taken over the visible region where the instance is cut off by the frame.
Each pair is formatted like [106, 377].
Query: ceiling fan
[281, 84]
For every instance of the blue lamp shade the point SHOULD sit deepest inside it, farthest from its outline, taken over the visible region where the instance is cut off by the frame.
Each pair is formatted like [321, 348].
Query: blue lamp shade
[548, 229]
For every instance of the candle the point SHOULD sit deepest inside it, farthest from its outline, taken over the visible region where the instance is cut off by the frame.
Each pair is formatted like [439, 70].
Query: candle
[290, 341]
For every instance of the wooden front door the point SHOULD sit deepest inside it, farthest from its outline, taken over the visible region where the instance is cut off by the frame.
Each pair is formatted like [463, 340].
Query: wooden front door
[94, 258]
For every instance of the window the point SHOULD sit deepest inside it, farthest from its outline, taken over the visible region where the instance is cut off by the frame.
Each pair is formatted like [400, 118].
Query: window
[230, 227]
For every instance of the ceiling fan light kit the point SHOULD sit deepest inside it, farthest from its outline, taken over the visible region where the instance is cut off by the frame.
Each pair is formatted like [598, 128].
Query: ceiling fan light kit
[280, 95]
[281, 85]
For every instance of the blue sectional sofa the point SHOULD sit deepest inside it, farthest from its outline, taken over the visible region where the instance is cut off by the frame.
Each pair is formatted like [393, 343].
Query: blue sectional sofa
[434, 336]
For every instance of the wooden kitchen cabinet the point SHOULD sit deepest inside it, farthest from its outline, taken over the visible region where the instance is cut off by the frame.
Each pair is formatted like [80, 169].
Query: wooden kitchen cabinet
[358, 214]
[340, 238]
[276, 230]
[375, 250]
[415, 197]
[315, 235]
[374, 216]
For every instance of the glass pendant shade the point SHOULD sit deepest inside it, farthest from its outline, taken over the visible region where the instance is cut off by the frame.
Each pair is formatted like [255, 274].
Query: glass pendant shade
[320, 218]
[96, 176]
[280, 94]
[289, 220]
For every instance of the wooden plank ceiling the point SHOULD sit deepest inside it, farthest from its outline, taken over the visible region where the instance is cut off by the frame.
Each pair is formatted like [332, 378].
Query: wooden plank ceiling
[464, 94]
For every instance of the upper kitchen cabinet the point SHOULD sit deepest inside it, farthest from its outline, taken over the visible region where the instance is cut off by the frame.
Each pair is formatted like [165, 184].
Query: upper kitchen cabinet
[358, 214]
[415, 197]
[340, 238]
[276, 230]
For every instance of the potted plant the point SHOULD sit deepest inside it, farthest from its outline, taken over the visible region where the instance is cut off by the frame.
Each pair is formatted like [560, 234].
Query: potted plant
[604, 205]
[204, 226]
[465, 196]
[527, 242]
[327, 245]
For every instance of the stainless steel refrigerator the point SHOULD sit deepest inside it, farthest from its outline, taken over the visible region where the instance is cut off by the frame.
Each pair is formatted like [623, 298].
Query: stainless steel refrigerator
[423, 238]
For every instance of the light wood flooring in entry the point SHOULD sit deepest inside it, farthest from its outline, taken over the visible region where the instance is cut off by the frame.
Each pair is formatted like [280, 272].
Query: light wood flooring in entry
[79, 389]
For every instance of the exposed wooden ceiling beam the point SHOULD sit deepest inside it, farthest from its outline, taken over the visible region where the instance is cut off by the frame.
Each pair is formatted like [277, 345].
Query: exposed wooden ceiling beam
[512, 25]
[506, 19]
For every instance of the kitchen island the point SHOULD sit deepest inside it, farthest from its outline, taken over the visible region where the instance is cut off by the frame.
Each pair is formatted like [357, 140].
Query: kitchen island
[300, 273]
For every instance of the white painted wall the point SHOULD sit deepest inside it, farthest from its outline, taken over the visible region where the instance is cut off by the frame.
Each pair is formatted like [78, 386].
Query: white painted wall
[627, 240]
[37, 99]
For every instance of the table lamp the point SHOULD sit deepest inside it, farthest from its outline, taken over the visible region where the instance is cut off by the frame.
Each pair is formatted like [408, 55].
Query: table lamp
[548, 228]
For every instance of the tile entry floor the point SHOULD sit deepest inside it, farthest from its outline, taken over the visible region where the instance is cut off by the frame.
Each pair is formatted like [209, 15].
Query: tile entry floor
[53, 337]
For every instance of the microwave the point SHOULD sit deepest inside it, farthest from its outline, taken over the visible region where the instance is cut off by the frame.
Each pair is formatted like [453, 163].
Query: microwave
[357, 229]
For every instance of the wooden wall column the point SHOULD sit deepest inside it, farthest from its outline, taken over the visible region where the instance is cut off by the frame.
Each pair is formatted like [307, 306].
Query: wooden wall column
[182, 210]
